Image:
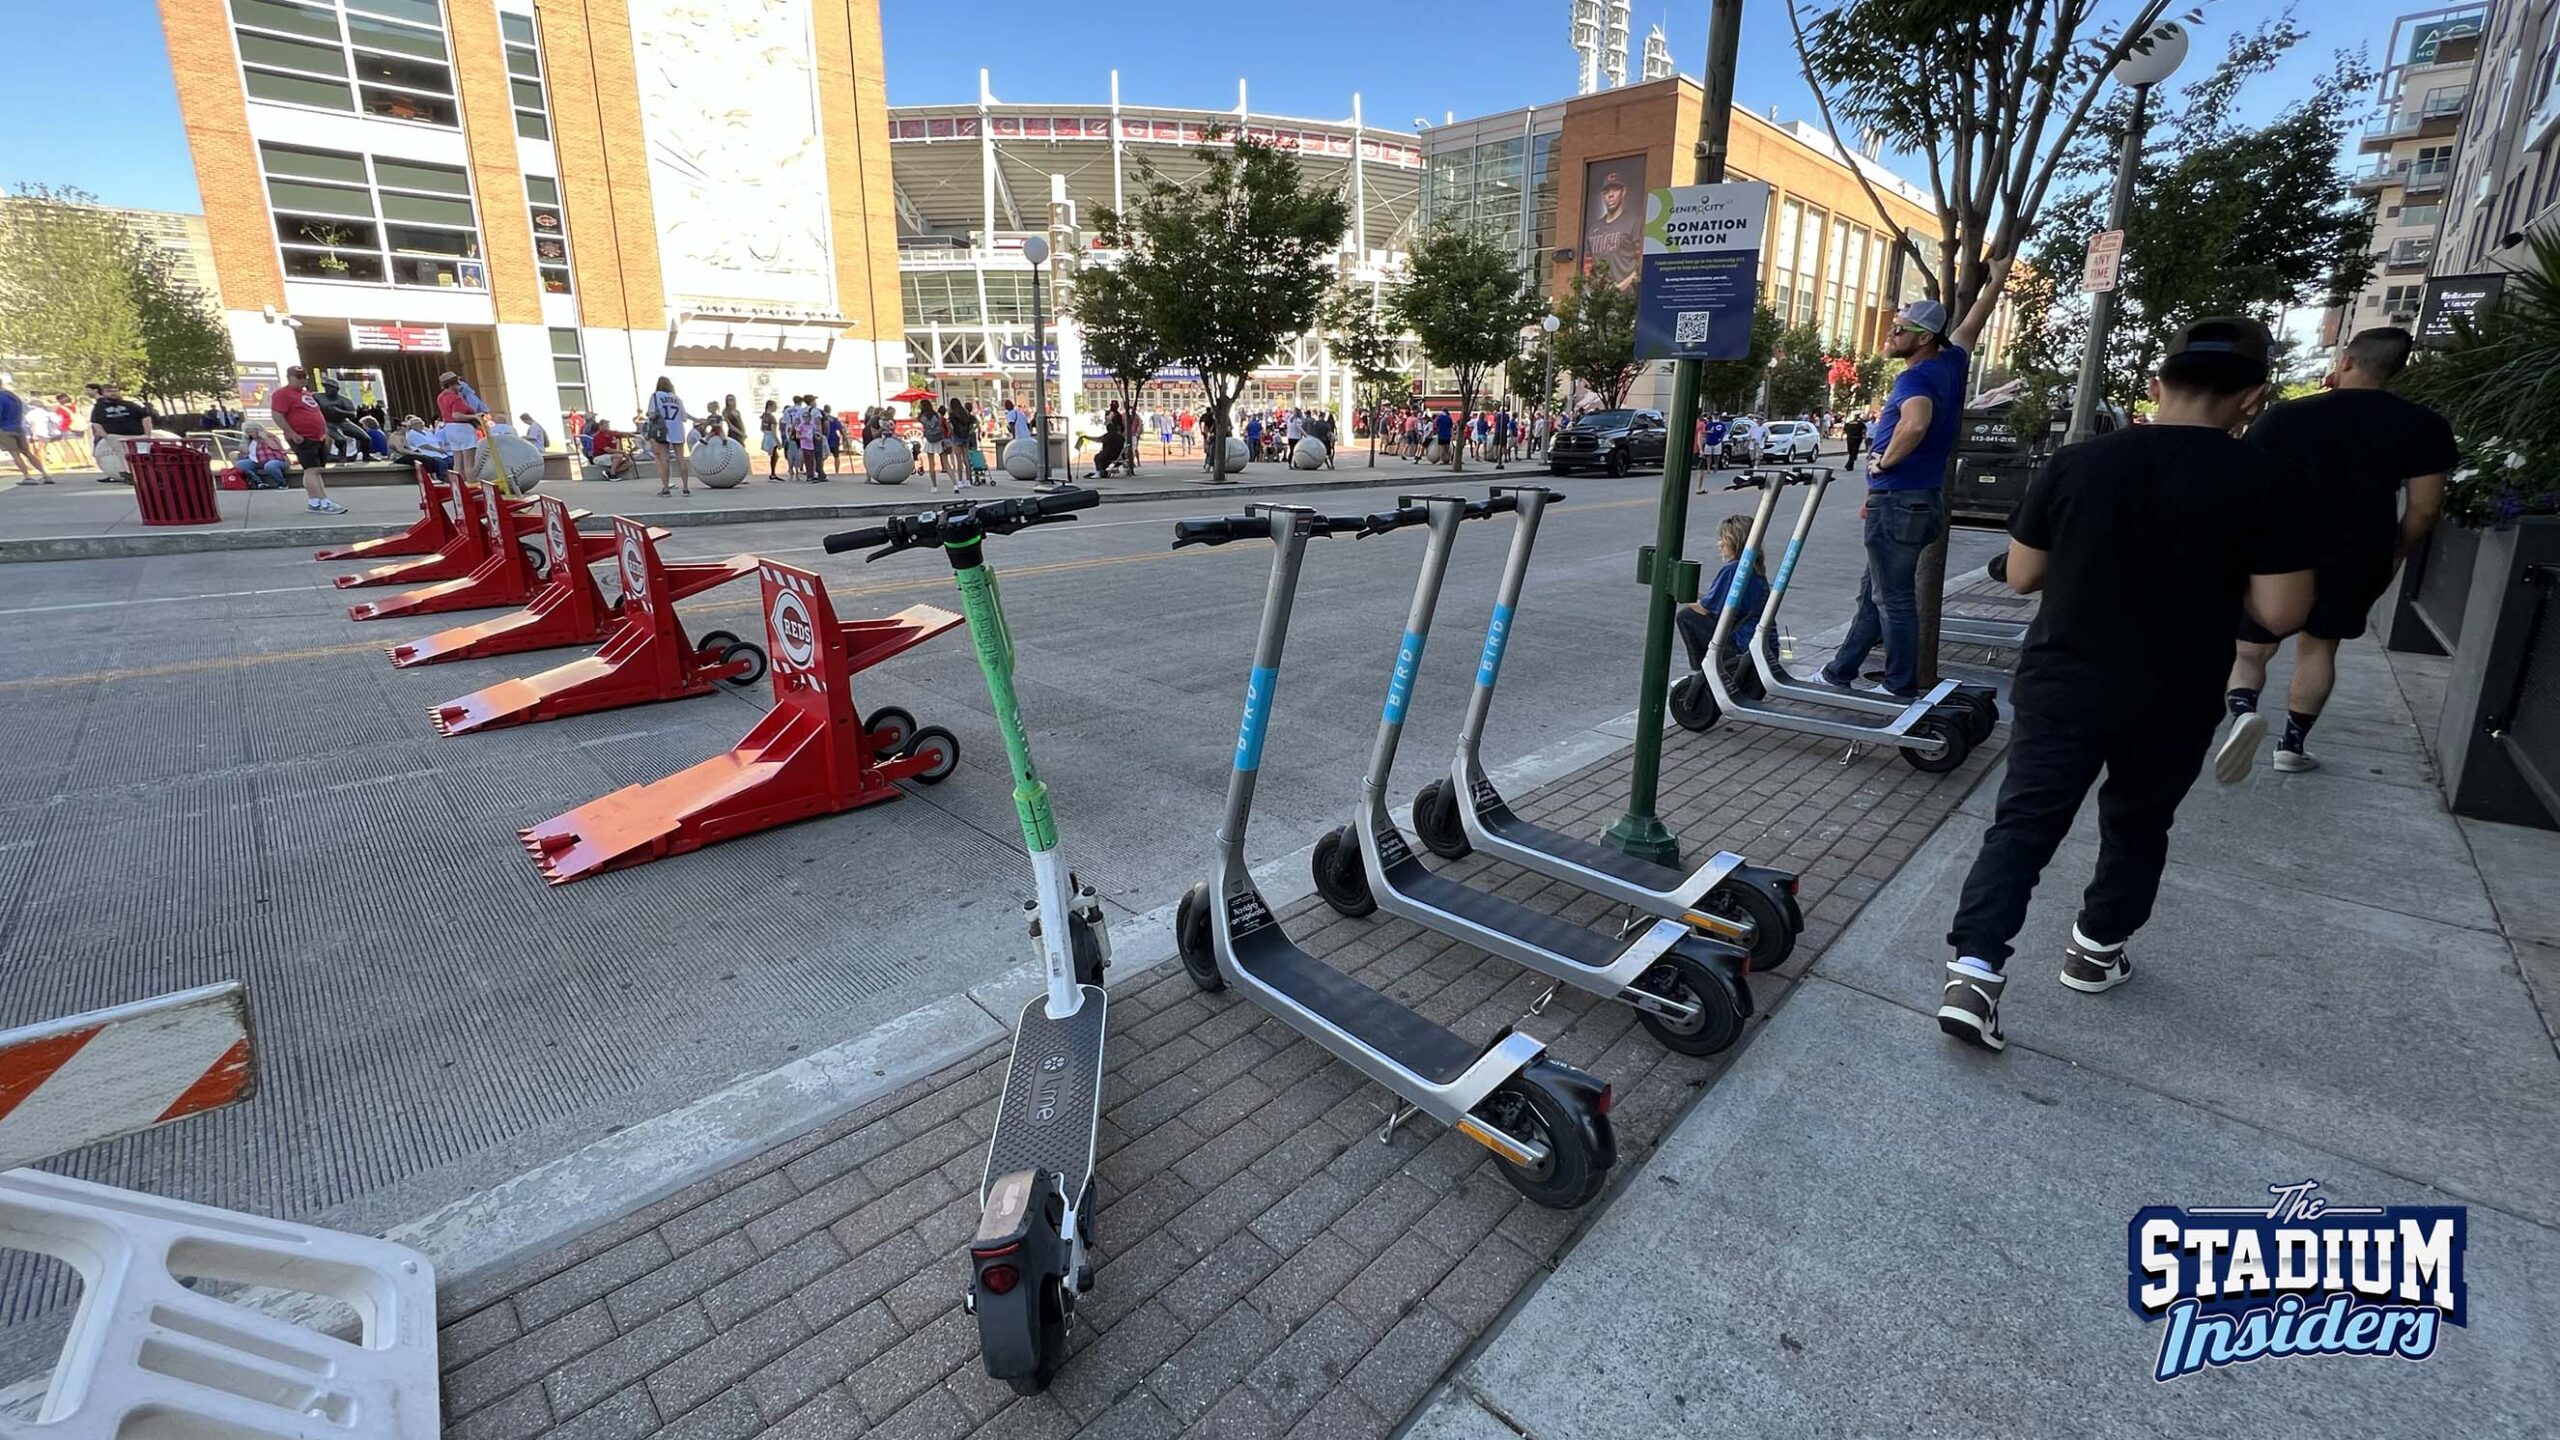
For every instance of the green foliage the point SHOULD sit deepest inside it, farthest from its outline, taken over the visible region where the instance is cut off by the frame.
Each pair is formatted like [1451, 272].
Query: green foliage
[1734, 385]
[1465, 299]
[186, 349]
[1227, 269]
[1800, 375]
[1117, 338]
[1597, 342]
[1875, 379]
[2227, 219]
[1991, 92]
[1531, 378]
[68, 314]
[2499, 385]
[1362, 344]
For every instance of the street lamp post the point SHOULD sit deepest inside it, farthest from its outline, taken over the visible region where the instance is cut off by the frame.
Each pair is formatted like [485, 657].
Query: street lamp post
[1547, 385]
[2155, 59]
[1036, 250]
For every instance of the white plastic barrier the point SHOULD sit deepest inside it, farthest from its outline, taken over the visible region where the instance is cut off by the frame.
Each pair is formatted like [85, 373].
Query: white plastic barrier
[148, 1358]
[888, 461]
[1237, 455]
[720, 462]
[1022, 459]
[1307, 454]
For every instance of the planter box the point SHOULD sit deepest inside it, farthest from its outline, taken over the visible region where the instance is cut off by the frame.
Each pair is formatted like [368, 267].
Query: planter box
[2435, 587]
[2499, 738]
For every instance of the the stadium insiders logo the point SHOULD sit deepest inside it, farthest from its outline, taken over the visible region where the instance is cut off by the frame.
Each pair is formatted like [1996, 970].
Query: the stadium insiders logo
[2299, 1276]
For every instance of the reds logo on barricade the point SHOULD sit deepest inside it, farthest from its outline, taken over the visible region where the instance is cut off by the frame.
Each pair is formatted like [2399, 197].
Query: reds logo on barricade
[635, 562]
[792, 631]
[555, 530]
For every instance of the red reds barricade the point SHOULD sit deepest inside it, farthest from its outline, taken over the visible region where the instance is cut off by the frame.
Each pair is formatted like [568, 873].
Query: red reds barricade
[505, 576]
[646, 659]
[811, 754]
[463, 552]
[149, 1353]
[425, 536]
[567, 610]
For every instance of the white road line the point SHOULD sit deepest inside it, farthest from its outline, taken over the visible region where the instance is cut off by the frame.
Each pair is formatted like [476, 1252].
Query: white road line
[156, 600]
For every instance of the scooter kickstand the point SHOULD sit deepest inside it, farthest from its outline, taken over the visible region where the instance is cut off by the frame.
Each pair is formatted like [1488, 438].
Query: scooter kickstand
[1539, 1005]
[1396, 1117]
[1850, 755]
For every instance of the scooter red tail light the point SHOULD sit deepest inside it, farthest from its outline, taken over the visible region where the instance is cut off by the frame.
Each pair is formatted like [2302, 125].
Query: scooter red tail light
[1608, 1097]
[1000, 1279]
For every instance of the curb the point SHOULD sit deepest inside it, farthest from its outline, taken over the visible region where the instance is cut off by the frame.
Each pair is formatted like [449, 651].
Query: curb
[143, 544]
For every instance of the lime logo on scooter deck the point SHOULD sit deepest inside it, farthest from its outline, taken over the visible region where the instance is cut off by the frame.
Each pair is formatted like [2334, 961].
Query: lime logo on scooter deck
[1044, 1101]
[1787, 566]
[790, 621]
[2301, 1276]
[1257, 714]
[1496, 635]
[1400, 689]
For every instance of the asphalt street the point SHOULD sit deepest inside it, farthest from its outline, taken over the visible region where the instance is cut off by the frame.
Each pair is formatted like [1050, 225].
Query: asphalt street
[213, 773]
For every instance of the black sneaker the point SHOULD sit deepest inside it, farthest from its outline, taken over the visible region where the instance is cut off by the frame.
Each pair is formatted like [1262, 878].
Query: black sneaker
[2089, 970]
[1969, 1008]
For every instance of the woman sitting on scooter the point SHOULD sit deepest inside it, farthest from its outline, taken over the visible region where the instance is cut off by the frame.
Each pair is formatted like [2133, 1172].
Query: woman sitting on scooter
[1697, 619]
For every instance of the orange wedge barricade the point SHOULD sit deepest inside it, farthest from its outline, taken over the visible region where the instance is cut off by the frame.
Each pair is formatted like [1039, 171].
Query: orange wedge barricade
[504, 575]
[646, 659]
[809, 755]
[425, 536]
[567, 610]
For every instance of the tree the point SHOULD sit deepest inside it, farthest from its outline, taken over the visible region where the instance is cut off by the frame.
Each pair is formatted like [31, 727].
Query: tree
[2226, 219]
[1118, 339]
[1465, 299]
[1597, 342]
[186, 349]
[1800, 373]
[67, 310]
[1734, 385]
[1225, 270]
[1362, 345]
[1875, 379]
[2498, 385]
[1530, 374]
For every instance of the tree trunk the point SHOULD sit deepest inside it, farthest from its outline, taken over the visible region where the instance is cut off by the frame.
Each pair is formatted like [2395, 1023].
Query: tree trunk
[1458, 430]
[1219, 403]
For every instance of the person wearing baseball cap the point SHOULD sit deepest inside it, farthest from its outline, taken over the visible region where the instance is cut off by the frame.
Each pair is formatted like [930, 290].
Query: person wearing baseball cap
[1906, 507]
[297, 413]
[2149, 545]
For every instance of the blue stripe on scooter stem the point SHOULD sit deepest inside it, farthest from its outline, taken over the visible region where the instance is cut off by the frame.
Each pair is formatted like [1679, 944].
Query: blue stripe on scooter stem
[1400, 689]
[1741, 573]
[1787, 566]
[1257, 714]
[1496, 635]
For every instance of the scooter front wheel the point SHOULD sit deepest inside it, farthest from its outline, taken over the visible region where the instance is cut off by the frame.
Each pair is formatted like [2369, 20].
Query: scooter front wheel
[1192, 940]
[1690, 981]
[1982, 713]
[1943, 746]
[1435, 818]
[1084, 950]
[1530, 1107]
[1339, 876]
[1693, 705]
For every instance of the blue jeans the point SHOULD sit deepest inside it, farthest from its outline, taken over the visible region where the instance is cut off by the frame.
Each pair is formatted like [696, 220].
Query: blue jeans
[1900, 524]
[265, 474]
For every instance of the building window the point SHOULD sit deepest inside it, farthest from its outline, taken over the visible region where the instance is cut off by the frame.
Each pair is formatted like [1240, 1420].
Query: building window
[2400, 300]
[524, 76]
[373, 219]
[550, 233]
[569, 369]
[385, 58]
[2420, 215]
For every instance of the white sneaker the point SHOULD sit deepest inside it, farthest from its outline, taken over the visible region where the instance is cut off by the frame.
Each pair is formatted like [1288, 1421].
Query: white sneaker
[326, 507]
[2296, 762]
[2239, 750]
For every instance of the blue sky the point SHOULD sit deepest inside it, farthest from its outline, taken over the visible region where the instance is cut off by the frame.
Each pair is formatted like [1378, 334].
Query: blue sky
[108, 121]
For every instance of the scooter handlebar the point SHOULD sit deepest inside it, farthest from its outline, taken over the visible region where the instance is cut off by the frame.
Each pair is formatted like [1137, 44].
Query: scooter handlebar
[844, 540]
[1220, 529]
[994, 517]
[1058, 502]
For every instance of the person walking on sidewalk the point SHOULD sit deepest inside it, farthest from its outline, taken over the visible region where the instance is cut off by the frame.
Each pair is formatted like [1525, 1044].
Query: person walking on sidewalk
[13, 437]
[1906, 507]
[2354, 448]
[666, 432]
[297, 413]
[2148, 544]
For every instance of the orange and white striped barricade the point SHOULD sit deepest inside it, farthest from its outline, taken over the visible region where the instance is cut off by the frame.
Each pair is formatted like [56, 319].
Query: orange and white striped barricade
[148, 1354]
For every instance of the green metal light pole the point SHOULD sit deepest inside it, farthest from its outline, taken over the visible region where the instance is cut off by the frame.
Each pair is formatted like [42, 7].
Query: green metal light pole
[1640, 832]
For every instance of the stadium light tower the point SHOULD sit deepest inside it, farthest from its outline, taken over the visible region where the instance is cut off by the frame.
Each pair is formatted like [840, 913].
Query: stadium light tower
[1613, 41]
[1587, 20]
[1657, 55]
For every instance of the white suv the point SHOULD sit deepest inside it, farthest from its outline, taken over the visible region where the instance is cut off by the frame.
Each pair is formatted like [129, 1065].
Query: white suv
[1787, 441]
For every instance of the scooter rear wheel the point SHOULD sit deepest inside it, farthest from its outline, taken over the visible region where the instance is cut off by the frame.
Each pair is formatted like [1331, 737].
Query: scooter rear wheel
[1693, 705]
[1339, 876]
[1528, 1109]
[1435, 819]
[1689, 980]
[1192, 940]
[1052, 1340]
[1772, 938]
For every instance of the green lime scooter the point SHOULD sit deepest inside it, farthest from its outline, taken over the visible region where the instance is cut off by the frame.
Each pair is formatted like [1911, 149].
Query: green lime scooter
[1029, 1258]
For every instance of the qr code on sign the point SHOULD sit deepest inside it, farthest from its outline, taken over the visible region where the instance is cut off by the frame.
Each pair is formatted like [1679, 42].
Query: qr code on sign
[1690, 328]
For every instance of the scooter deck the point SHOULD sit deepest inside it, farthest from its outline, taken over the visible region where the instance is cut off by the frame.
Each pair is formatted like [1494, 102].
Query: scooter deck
[1414, 889]
[1429, 1050]
[1495, 814]
[1052, 1094]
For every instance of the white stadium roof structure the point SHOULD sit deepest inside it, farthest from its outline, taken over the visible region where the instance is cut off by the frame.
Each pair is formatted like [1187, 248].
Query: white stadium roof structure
[943, 156]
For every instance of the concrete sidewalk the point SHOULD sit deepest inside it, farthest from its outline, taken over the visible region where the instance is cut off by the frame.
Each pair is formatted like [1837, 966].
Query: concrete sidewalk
[1864, 1227]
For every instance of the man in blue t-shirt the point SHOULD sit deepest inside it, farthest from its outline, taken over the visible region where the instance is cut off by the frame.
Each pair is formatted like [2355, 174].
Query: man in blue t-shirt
[1906, 500]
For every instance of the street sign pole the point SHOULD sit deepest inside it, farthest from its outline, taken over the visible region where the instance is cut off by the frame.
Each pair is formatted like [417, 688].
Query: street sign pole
[1640, 832]
[2102, 304]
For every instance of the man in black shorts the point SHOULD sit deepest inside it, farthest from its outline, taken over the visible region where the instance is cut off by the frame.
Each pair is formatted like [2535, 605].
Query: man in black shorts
[2352, 449]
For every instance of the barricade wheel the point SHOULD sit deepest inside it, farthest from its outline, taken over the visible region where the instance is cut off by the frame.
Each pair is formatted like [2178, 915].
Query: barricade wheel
[710, 644]
[942, 746]
[889, 728]
[750, 652]
[537, 560]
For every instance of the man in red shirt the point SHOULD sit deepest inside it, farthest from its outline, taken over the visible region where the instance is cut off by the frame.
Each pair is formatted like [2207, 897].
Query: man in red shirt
[297, 412]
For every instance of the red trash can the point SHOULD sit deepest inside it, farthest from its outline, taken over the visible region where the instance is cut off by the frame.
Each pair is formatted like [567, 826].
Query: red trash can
[173, 480]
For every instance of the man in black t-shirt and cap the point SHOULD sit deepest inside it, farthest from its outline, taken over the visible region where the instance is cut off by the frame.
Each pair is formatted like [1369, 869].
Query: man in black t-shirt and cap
[2149, 545]
[2353, 449]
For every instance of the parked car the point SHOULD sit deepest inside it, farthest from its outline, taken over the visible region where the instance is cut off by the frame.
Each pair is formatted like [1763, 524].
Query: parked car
[1790, 441]
[1615, 440]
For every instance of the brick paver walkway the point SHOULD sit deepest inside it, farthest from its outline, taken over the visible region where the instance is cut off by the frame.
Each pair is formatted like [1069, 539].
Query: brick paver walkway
[1268, 1267]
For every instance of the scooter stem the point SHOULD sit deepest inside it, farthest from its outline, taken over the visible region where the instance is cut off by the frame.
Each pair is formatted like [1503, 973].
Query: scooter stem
[1506, 601]
[1446, 513]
